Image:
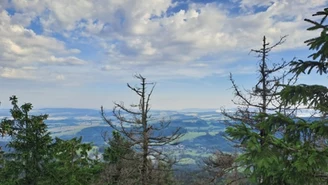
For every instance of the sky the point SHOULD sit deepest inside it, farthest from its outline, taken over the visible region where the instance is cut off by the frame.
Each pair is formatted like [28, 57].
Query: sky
[81, 53]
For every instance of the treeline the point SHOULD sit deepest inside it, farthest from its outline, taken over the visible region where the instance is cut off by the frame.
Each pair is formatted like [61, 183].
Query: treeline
[273, 145]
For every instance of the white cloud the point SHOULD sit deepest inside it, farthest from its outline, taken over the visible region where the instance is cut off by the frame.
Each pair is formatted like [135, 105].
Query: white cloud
[110, 68]
[66, 60]
[56, 118]
[13, 73]
[200, 31]
[69, 50]
[139, 36]
[60, 77]
[250, 4]
[22, 50]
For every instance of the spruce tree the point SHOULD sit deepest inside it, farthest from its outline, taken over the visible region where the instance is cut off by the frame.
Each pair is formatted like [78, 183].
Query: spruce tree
[313, 96]
[293, 150]
[29, 147]
[71, 164]
[121, 162]
[248, 124]
[33, 157]
[307, 138]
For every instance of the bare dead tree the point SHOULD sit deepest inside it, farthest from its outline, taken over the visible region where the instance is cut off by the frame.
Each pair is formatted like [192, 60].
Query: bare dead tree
[218, 165]
[264, 96]
[134, 123]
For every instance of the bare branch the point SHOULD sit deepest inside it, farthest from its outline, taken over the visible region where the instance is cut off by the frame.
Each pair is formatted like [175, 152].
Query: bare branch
[135, 126]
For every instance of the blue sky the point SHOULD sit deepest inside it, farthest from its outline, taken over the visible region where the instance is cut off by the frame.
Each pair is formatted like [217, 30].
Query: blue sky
[81, 53]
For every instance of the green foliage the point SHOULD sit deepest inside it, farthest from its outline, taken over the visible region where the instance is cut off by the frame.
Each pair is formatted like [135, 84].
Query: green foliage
[71, 164]
[35, 160]
[318, 44]
[293, 150]
[25, 163]
[119, 147]
[122, 165]
[293, 156]
[279, 149]
[121, 162]
[313, 96]
[259, 160]
[301, 66]
[308, 139]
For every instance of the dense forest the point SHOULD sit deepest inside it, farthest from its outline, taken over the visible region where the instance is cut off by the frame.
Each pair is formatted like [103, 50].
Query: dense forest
[273, 145]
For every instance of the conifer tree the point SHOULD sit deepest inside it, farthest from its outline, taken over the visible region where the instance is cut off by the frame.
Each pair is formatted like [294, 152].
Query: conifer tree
[118, 148]
[293, 150]
[120, 162]
[247, 124]
[25, 163]
[71, 164]
[313, 96]
[306, 139]
[34, 159]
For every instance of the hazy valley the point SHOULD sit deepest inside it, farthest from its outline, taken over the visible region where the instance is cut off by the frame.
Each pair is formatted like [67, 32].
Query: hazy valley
[203, 130]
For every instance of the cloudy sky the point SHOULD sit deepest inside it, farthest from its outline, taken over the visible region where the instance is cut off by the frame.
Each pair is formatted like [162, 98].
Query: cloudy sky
[81, 53]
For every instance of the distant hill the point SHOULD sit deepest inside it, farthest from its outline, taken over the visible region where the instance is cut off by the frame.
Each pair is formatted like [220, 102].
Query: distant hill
[201, 129]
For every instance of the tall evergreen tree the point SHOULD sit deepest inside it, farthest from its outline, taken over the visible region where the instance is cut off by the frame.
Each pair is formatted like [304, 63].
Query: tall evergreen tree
[293, 149]
[308, 137]
[34, 159]
[29, 153]
[248, 123]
